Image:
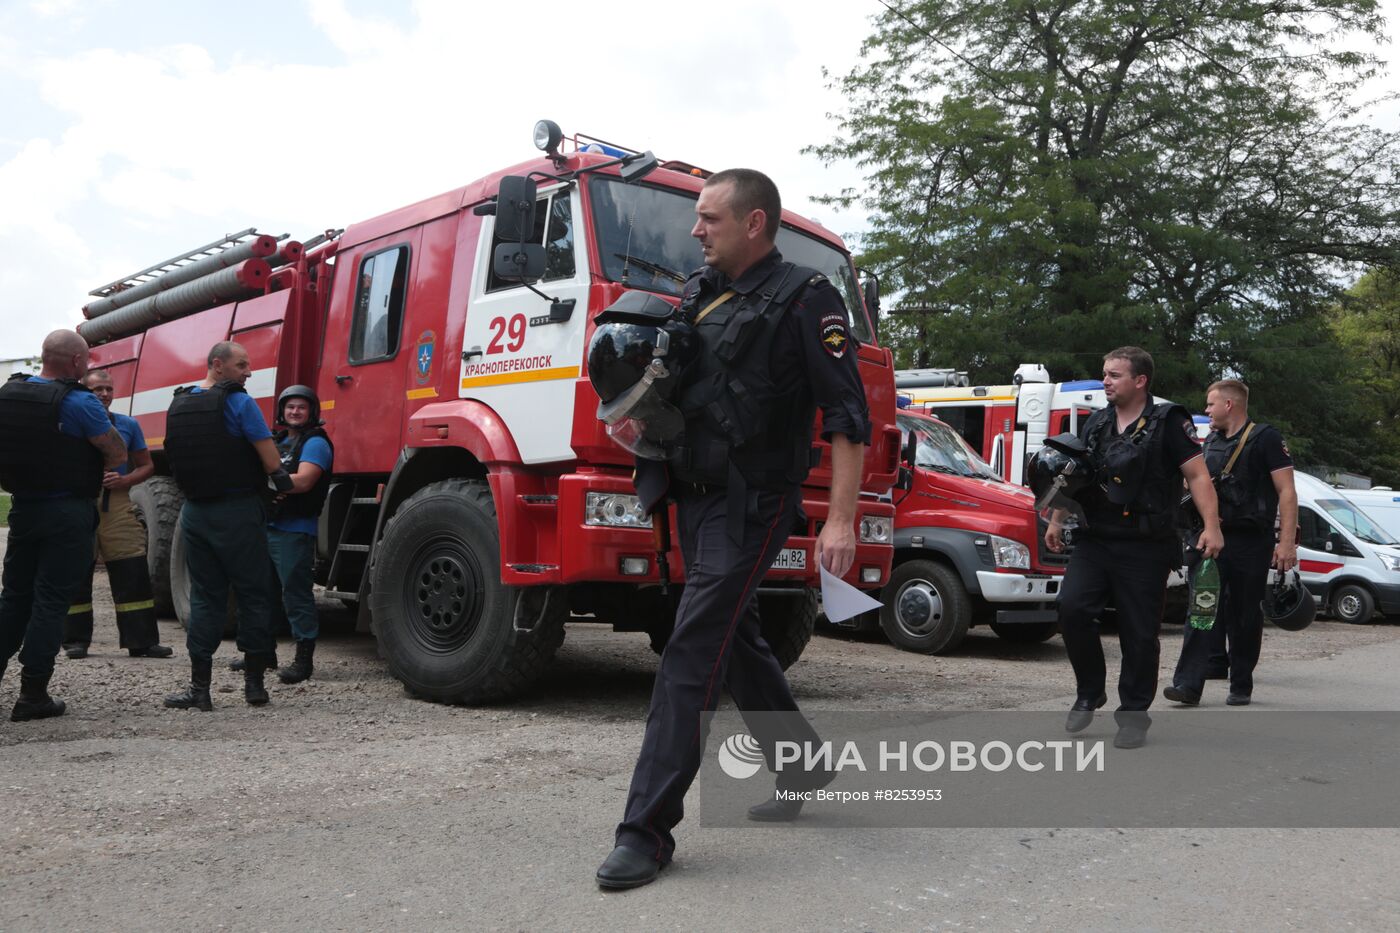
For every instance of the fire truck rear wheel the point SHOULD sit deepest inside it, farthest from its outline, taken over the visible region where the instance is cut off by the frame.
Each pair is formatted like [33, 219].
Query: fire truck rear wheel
[447, 626]
[926, 607]
[157, 503]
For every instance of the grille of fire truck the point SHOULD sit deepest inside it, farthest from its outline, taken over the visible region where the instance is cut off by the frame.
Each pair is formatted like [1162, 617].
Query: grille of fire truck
[176, 262]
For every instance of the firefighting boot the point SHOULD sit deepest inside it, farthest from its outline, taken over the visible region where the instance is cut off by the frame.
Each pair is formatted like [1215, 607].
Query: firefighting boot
[254, 665]
[301, 668]
[34, 700]
[196, 696]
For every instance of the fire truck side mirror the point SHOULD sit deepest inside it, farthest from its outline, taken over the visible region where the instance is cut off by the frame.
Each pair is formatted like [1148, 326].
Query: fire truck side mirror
[515, 208]
[518, 262]
[638, 166]
[870, 288]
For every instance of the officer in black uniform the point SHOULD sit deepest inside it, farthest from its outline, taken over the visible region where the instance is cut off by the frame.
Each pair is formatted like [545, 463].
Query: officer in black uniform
[55, 441]
[222, 455]
[1128, 545]
[1253, 475]
[775, 348]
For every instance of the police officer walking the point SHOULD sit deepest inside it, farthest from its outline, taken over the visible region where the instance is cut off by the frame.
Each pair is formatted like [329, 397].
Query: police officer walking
[55, 442]
[222, 455]
[774, 347]
[121, 543]
[307, 455]
[1128, 545]
[1253, 475]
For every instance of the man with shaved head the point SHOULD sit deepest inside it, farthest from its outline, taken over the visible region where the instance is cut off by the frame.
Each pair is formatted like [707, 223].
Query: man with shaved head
[223, 456]
[55, 442]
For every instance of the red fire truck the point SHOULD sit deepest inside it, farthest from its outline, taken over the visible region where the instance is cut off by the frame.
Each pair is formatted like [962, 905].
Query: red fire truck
[478, 503]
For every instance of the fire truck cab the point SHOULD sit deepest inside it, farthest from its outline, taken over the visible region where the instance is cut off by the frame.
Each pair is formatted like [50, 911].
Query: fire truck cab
[477, 502]
[1004, 424]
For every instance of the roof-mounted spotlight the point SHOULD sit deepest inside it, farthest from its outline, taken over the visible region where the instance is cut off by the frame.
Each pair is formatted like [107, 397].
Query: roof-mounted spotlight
[548, 136]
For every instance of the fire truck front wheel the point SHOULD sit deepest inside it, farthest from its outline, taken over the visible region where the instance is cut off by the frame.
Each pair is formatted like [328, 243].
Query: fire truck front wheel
[926, 607]
[446, 625]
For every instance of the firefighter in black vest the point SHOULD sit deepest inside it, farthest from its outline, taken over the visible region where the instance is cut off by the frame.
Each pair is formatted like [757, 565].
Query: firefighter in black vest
[291, 533]
[775, 347]
[1253, 475]
[121, 543]
[1128, 545]
[223, 457]
[55, 442]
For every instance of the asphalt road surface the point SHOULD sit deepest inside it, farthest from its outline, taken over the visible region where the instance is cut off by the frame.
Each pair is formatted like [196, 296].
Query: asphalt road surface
[346, 805]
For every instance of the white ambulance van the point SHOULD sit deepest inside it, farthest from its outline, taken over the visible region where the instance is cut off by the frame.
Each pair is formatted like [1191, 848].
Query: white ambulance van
[1348, 561]
[1381, 503]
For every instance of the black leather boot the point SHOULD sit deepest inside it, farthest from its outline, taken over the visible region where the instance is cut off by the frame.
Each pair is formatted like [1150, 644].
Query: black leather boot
[254, 691]
[238, 664]
[196, 696]
[34, 700]
[301, 667]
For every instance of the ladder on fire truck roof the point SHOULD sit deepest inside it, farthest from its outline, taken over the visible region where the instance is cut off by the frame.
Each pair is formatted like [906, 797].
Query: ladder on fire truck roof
[177, 262]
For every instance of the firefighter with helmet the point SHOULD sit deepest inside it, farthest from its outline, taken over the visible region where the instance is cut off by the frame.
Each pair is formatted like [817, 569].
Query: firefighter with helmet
[718, 410]
[307, 455]
[55, 443]
[1138, 453]
[121, 543]
[223, 458]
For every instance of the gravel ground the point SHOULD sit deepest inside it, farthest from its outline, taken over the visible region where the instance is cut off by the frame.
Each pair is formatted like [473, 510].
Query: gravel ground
[345, 804]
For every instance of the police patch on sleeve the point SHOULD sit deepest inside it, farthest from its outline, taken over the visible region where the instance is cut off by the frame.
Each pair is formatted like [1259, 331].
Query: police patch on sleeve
[1190, 428]
[834, 337]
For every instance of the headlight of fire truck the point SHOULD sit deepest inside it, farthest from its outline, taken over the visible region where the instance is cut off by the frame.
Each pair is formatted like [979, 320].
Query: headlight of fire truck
[875, 530]
[615, 510]
[1010, 554]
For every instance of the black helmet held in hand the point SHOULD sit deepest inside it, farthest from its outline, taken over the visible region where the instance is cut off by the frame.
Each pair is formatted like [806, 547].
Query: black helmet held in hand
[1059, 472]
[305, 392]
[635, 361]
[1287, 602]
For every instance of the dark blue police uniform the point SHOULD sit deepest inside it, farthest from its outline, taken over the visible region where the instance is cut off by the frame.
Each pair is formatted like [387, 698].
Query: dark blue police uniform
[1126, 551]
[774, 352]
[54, 473]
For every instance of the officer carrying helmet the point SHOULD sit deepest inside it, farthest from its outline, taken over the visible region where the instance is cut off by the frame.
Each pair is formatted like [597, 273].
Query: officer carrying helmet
[720, 421]
[1127, 544]
[223, 458]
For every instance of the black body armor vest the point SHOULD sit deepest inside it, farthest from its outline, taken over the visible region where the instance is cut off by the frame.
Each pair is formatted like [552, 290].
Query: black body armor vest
[36, 458]
[736, 419]
[207, 461]
[1136, 495]
[1242, 494]
[302, 504]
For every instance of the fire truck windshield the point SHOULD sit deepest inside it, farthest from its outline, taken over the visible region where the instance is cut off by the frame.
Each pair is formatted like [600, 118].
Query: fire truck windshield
[644, 232]
[939, 448]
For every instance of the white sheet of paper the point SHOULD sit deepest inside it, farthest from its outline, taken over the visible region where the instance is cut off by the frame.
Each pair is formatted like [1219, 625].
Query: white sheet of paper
[841, 601]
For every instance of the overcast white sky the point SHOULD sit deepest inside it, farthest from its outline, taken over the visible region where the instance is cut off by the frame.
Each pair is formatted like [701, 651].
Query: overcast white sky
[136, 130]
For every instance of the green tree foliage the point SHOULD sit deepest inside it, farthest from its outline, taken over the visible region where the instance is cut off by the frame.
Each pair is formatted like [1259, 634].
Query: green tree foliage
[1367, 325]
[1049, 179]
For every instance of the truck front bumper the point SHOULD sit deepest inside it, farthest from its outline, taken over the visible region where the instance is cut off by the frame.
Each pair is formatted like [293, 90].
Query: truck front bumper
[601, 553]
[1018, 587]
